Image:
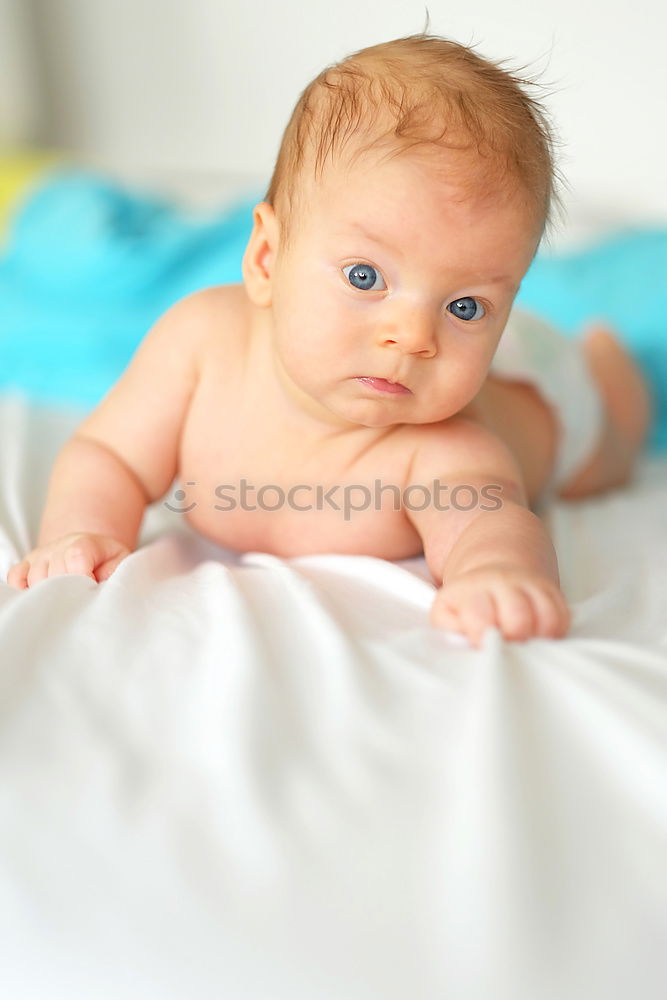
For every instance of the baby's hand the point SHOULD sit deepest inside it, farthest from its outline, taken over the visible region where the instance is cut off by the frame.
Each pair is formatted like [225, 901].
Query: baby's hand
[96, 556]
[521, 603]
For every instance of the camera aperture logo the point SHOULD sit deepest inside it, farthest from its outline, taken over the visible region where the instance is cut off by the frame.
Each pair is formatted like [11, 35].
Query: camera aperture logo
[345, 498]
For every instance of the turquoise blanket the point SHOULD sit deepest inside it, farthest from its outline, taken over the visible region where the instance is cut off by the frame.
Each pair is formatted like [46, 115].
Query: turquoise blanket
[91, 265]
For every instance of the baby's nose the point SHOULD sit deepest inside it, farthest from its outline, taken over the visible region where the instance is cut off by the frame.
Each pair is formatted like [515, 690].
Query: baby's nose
[413, 332]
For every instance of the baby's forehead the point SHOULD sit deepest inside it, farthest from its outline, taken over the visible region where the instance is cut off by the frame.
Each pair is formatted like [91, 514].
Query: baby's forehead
[439, 217]
[460, 165]
[457, 178]
[384, 184]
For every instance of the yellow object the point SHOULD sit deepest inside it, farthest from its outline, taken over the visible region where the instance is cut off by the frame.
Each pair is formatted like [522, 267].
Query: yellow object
[19, 169]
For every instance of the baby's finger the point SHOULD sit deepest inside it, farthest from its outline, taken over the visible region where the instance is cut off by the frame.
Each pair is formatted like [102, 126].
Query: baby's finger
[478, 614]
[443, 616]
[17, 575]
[515, 613]
[39, 570]
[57, 565]
[81, 558]
[104, 571]
[552, 614]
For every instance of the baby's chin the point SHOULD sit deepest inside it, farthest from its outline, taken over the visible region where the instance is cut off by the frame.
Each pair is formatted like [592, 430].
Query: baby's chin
[388, 410]
[381, 416]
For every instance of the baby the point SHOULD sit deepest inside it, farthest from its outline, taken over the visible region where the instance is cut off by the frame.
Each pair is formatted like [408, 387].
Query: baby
[344, 388]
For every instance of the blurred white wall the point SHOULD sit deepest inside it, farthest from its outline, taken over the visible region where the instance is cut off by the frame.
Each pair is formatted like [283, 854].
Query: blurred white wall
[19, 100]
[209, 84]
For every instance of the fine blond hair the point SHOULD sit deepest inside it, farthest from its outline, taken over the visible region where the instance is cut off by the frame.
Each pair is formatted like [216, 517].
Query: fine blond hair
[426, 91]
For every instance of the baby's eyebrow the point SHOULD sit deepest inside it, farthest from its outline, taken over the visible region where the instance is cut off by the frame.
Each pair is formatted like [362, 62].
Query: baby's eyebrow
[371, 236]
[465, 279]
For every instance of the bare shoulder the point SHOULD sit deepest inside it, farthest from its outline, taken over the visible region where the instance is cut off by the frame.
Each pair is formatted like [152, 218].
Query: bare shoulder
[216, 318]
[218, 300]
[462, 449]
[156, 390]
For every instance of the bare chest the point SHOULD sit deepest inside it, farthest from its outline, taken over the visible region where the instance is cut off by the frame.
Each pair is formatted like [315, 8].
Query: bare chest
[252, 483]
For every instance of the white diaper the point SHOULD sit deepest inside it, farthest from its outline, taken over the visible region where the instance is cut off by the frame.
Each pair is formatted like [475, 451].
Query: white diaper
[533, 351]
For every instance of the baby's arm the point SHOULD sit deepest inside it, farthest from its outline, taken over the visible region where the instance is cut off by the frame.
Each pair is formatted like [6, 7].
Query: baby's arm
[123, 456]
[494, 566]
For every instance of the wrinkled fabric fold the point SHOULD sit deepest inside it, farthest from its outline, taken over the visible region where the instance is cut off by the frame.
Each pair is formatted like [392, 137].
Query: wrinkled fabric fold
[232, 774]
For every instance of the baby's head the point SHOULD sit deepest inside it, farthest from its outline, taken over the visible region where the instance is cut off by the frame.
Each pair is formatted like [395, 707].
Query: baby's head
[412, 187]
[421, 95]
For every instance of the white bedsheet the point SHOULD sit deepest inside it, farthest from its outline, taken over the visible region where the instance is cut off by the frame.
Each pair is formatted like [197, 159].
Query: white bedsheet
[243, 777]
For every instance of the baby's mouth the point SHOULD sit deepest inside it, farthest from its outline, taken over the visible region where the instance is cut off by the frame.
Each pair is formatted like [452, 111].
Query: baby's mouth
[383, 385]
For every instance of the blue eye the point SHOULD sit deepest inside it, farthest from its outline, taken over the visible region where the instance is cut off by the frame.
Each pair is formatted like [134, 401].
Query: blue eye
[363, 276]
[467, 308]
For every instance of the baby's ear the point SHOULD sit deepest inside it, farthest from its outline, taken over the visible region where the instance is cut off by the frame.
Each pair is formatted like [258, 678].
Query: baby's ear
[260, 254]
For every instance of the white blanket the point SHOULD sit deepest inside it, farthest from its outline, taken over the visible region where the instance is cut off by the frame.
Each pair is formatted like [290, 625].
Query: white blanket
[254, 778]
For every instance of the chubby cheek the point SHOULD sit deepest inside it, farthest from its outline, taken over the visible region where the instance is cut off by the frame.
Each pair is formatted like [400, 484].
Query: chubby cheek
[476, 375]
[460, 381]
[314, 333]
[307, 347]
